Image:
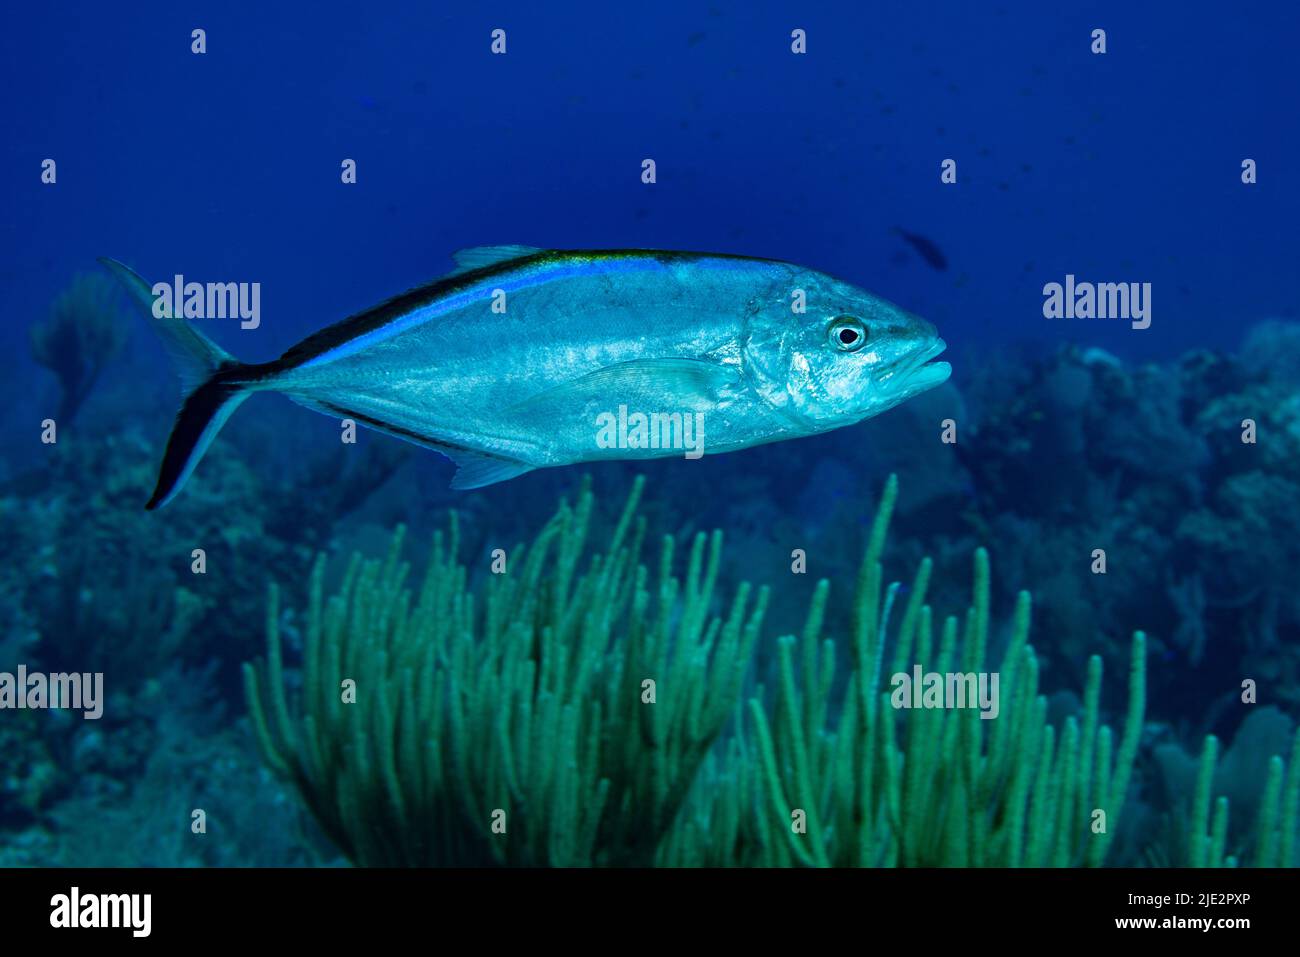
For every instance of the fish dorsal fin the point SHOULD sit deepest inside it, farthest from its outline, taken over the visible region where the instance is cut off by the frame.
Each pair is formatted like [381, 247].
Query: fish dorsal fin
[477, 257]
[675, 384]
[475, 469]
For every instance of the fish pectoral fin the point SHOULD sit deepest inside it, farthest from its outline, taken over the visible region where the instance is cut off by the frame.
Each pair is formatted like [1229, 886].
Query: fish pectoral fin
[477, 469]
[671, 383]
[477, 257]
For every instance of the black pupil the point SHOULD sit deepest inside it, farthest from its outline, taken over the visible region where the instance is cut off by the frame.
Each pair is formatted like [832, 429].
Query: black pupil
[848, 336]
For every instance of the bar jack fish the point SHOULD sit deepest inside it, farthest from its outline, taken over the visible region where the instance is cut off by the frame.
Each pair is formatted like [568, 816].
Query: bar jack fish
[764, 350]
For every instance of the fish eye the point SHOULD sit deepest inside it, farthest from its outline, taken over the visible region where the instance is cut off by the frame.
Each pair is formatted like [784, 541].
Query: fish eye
[847, 333]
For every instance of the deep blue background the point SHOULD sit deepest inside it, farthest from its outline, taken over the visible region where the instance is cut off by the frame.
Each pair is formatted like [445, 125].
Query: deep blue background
[226, 166]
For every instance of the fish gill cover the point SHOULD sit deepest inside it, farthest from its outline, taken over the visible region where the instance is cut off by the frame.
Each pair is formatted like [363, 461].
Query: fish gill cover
[699, 399]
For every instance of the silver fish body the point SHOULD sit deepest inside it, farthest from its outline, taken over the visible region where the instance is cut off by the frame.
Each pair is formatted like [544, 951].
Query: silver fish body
[529, 358]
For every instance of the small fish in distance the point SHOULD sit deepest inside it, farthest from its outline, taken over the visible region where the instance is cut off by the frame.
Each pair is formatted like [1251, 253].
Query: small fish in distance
[583, 334]
[928, 251]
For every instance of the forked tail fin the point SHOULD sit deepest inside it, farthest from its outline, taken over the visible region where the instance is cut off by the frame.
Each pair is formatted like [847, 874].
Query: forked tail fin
[209, 379]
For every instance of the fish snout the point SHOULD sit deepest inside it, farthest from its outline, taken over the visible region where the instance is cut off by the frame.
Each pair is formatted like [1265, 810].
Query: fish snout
[920, 373]
[928, 348]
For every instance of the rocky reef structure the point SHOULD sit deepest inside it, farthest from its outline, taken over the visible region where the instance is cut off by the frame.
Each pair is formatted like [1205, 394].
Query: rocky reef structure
[1184, 474]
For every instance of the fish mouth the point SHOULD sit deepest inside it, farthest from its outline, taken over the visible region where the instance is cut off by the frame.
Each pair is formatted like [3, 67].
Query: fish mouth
[921, 373]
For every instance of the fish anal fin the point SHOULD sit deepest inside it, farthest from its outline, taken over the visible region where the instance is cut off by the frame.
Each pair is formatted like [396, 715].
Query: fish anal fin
[475, 469]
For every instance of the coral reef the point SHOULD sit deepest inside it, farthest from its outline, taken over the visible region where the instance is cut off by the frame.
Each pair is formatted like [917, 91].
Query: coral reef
[28, 773]
[122, 790]
[879, 786]
[1056, 456]
[107, 587]
[1078, 450]
[559, 718]
[511, 725]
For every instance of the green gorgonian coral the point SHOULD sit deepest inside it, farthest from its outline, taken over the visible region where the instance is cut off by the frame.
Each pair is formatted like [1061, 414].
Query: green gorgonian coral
[566, 714]
[876, 786]
[558, 717]
[1276, 817]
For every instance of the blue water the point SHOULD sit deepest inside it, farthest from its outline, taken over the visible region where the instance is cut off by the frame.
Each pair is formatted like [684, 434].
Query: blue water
[1122, 167]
